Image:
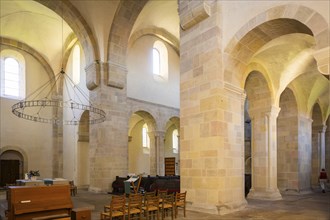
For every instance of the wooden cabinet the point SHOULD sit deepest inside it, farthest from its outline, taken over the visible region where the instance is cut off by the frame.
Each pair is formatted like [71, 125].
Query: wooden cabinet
[170, 166]
[81, 214]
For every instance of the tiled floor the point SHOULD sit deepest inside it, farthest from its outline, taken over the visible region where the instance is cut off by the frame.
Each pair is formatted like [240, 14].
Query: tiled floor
[313, 206]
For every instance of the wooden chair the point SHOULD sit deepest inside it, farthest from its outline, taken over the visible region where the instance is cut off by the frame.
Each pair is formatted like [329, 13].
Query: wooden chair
[134, 206]
[166, 205]
[147, 194]
[151, 207]
[161, 193]
[116, 208]
[180, 202]
[73, 188]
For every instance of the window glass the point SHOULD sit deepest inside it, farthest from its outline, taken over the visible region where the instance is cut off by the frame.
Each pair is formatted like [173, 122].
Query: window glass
[160, 61]
[156, 61]
[175, 141]
[145, 139]
[76, 64]
[12, 75]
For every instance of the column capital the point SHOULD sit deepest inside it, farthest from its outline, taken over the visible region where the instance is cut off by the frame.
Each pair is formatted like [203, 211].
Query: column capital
[157, 133]
[230, 88]
[274, 111]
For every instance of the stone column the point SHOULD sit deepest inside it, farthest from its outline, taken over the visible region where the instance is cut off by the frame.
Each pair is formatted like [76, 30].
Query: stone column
[264, 154]
[322, 146]
[304, 152]
[160, 149]
[153, 153]
[327, 147]
[318, 152]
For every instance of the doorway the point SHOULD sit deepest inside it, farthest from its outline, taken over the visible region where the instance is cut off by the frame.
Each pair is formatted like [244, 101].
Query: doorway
[11, 167]
[9, 172]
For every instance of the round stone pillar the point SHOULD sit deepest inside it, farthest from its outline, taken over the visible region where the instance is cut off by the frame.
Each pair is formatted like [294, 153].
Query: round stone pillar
[264, 154]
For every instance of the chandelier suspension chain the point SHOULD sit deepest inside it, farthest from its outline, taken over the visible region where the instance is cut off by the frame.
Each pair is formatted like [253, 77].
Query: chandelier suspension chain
[31, 108]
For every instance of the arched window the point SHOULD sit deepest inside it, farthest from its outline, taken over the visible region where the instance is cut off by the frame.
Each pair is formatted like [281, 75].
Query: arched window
[156, 61]
[160, 61]
[145, 139]
[76, 64]
[175, 141]
[12, 75]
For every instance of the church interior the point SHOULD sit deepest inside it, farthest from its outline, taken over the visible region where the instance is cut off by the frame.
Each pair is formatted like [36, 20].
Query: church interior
[229, 98]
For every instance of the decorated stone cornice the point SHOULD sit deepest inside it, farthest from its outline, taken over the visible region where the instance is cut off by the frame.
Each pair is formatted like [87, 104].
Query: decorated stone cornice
[116, 75]
[93, 75]
[193, 12]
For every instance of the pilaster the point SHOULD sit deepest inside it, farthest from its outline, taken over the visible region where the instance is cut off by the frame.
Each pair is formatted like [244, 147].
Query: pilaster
[108, 140]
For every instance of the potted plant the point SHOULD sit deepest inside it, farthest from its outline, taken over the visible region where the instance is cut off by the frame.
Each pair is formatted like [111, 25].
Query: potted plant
[33, 174]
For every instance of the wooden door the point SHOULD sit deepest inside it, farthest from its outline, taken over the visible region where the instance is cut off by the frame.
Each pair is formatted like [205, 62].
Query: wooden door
[169, 166]
[9, 171]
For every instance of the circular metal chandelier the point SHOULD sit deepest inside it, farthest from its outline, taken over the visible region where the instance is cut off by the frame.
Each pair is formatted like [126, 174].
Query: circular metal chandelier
[45, 105]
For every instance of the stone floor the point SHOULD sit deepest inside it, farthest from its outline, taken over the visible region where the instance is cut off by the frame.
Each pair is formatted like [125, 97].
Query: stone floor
[311, 206]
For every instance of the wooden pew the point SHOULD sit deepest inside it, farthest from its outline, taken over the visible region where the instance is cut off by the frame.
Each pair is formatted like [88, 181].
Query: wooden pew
[39, 202]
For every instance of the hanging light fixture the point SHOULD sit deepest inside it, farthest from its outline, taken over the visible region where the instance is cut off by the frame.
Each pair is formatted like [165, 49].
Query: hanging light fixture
[45, 105]
[58, 101]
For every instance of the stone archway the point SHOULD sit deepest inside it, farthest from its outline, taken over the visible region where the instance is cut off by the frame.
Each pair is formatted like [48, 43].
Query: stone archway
[126, 15]
[83, 175]
[84, 35]
[173, 125]
[13, 165]
[257, 32]
[142, 159]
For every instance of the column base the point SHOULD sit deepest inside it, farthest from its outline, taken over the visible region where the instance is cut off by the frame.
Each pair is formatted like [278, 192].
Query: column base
[217, 209]
[265, 195]
[296, 191]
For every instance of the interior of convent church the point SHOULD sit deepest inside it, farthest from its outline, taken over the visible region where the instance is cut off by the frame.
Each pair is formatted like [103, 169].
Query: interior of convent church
[227, 102]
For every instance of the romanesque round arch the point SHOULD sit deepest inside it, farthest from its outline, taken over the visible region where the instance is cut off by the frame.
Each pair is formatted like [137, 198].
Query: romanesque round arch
[79, 26]
[20, 151]
[159, 33]
[312, 23]
[11, 43]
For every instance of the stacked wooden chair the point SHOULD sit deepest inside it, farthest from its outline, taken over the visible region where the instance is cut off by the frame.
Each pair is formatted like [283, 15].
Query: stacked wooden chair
[180, 202]
[134, 207]
[116, 209]
[151, 207]
[166, 205]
